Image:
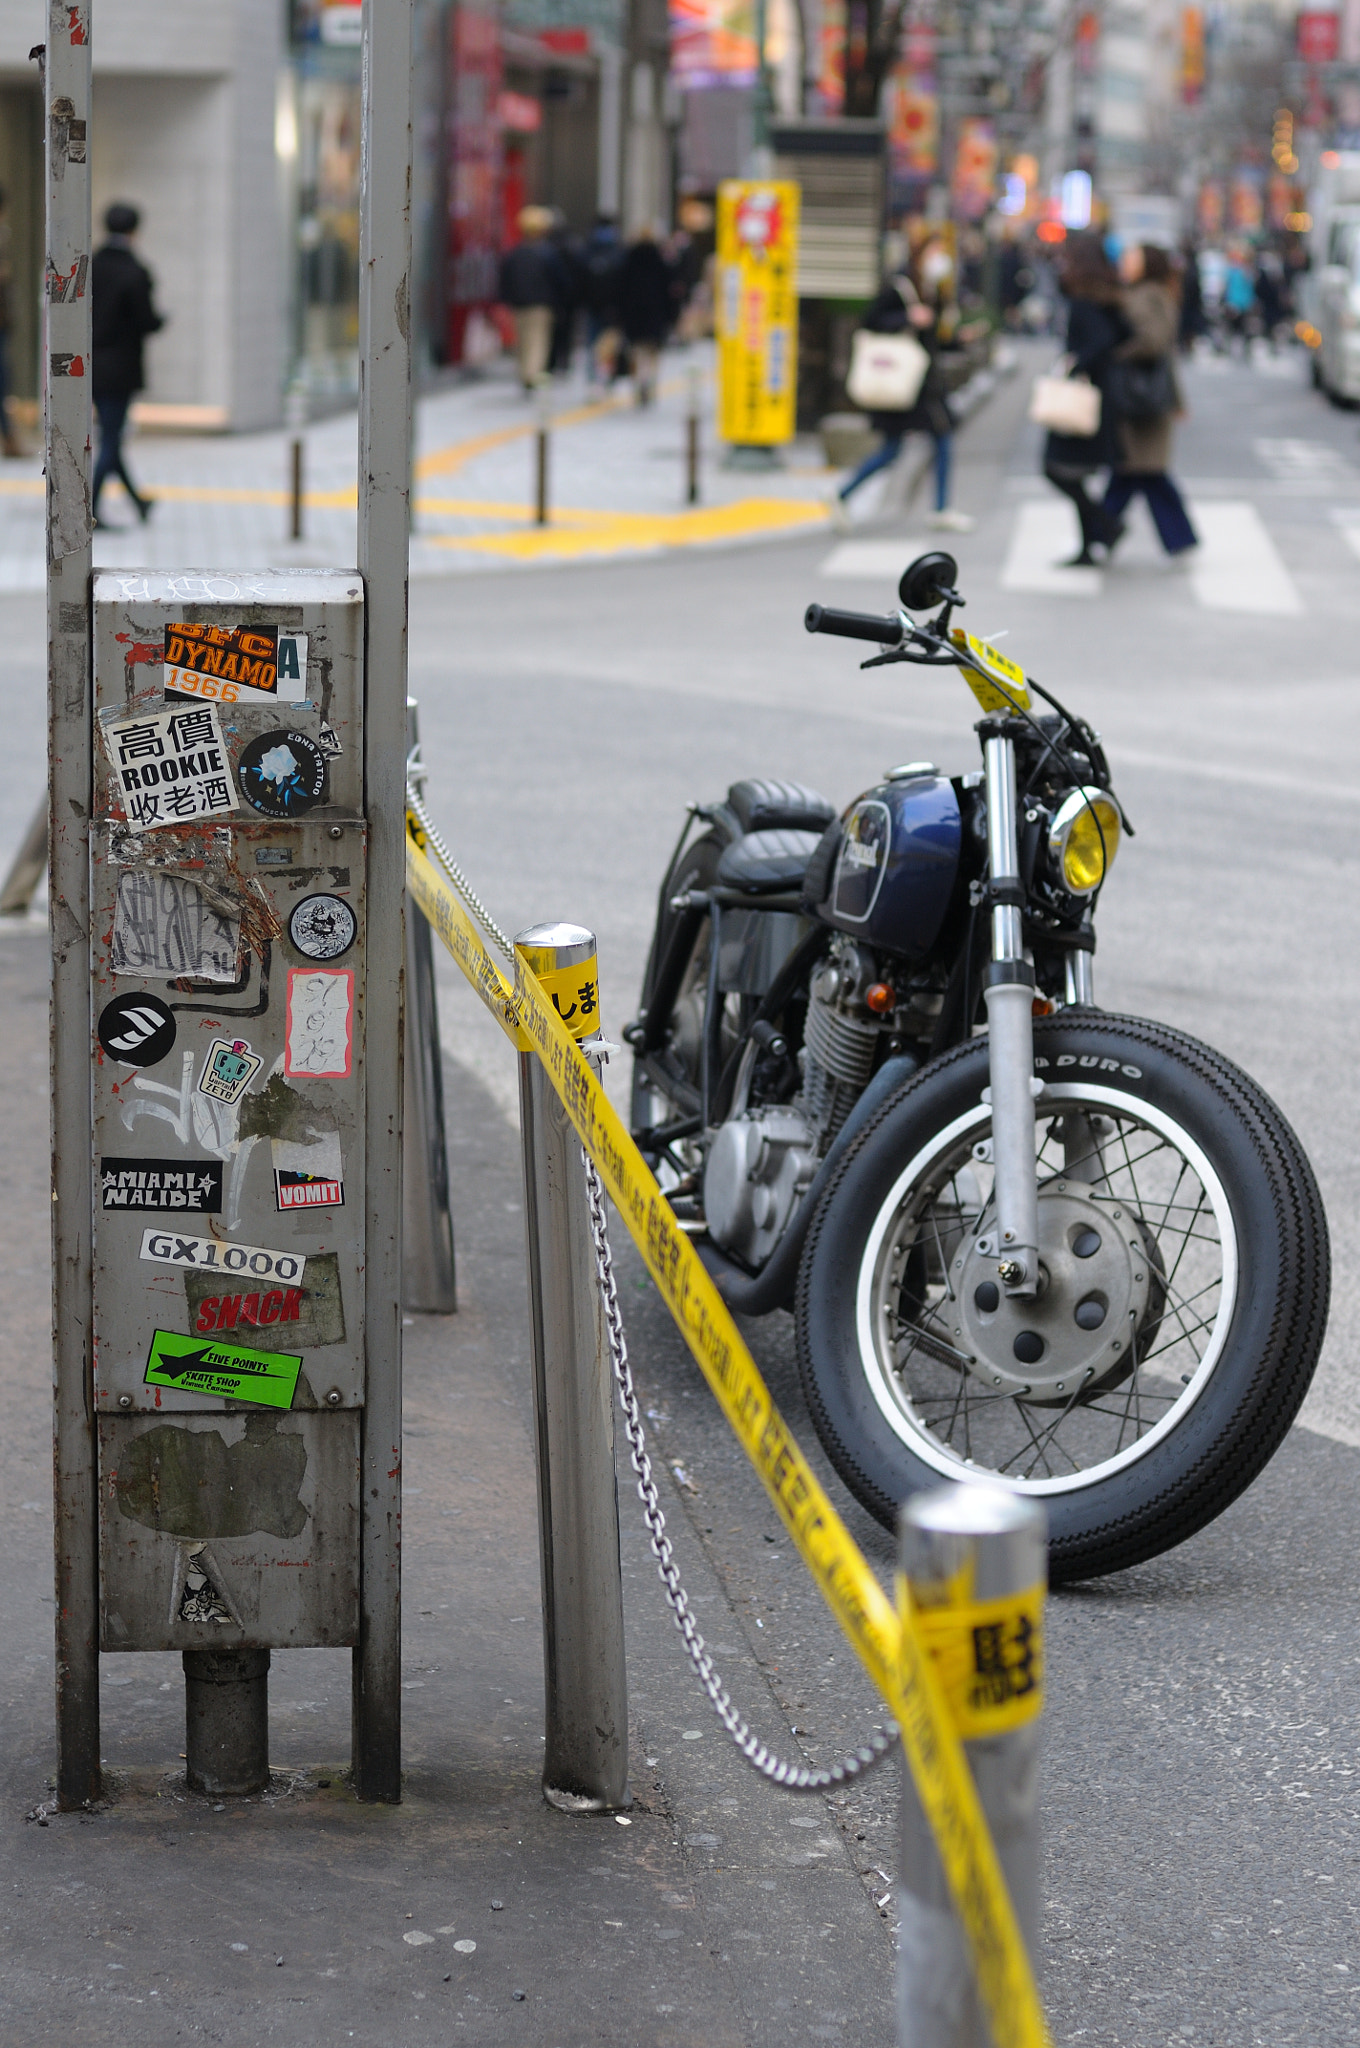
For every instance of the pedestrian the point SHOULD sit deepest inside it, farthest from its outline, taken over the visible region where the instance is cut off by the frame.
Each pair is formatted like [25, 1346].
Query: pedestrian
[1193, 322]
[123, 313]
[1095, 328]
[570, 249]
[12, 445]
[1239, 297]
[646, 306]
[1272, 295]
[533, 284]
[918, 300]
[1146, 398]
[603, 255]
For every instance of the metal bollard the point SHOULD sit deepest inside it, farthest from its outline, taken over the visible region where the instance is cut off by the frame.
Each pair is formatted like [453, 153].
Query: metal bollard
[974, 1558]
[695, 395]
[585, 1761]
[226, 1721]
[541, 432]
[428, 1278]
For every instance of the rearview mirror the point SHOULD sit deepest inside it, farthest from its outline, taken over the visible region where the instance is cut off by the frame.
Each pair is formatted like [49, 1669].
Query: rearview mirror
[928, 581]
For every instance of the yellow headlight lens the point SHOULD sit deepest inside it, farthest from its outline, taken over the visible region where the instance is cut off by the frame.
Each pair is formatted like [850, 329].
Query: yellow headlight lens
[1084, 839]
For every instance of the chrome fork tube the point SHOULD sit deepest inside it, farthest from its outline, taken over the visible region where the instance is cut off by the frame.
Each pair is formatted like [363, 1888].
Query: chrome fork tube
[1009, 996]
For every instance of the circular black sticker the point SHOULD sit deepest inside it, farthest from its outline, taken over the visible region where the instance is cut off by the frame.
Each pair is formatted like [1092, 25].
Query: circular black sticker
[282, 774]
[138, 1030]
[322, 927]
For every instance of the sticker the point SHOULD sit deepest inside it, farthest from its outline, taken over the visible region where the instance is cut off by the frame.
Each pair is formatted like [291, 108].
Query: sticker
[320, 1023]
[989, 1660]
[311, 1314]
[171, 766]
[200, 1591]
[1001, 686]
[229, 1069]
[229, 1372]
[162, 1184]
[328, 739]
[207, 1255]
[137, 1029]
[308, 1176]
[273, 857]
[164, 924]
[235, 664]
[323, 927]
[283, 774]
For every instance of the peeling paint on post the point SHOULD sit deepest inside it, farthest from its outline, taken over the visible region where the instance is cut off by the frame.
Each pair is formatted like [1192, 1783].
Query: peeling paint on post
[65, 71]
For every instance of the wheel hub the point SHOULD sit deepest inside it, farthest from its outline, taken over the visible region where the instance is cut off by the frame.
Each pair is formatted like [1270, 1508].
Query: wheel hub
[1077, 1335]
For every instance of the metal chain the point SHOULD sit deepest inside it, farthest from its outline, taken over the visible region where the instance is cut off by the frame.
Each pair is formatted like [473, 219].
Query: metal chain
[450, 866]
[793, 1777]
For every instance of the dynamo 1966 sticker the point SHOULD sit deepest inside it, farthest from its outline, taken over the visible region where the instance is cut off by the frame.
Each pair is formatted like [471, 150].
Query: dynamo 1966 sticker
[235, 664]
[230, 1372]
[208, 1255]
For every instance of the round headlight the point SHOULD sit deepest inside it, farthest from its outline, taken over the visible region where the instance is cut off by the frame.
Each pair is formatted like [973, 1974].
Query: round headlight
[1084, 838]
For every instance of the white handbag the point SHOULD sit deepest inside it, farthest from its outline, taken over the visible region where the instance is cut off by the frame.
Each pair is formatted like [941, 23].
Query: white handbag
[886, 371]
[1066, 405]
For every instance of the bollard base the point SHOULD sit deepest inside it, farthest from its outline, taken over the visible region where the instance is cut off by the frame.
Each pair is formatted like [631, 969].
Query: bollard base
[226, 1715]
[585, 1802]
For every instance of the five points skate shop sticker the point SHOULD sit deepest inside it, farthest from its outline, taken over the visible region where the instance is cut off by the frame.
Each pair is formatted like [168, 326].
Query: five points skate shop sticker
[162, 1184]
[138, 1030]
[283, 774]
[170, 766]
[228, 1371]
[228, 1069]
[236, 664]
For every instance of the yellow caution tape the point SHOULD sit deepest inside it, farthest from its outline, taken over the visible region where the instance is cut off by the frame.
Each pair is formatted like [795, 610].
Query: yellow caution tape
[988, 1657]
[891, 1649]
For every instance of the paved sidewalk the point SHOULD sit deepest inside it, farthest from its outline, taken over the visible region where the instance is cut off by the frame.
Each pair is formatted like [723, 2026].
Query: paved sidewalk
[616, 480]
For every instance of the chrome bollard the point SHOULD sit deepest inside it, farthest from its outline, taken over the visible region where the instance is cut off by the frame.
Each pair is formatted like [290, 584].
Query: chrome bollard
[585, 1762]
[974, 1560]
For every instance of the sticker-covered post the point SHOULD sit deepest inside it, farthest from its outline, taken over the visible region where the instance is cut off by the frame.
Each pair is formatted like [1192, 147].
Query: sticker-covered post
[973, 1569]
[65, 72]
[384, 530]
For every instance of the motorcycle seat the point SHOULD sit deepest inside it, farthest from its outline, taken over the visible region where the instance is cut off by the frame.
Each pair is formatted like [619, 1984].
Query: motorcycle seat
[760, 803]
[763, 862]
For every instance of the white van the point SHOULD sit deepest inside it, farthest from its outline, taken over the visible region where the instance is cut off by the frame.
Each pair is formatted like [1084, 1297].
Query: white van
[1331, 290]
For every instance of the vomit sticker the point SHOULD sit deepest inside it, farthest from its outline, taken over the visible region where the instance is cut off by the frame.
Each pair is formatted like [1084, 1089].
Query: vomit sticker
[308, 1176]
[229, 1069]
[235, 664]
[320, 1030]
[323, 927]
[163, 1184]
[170, 766]
[209, 1256]
[283, 774]
[227, 1372]
[164, 924]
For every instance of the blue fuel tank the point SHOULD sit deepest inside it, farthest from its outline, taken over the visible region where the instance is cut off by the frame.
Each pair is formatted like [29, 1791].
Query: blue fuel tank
[895, 870]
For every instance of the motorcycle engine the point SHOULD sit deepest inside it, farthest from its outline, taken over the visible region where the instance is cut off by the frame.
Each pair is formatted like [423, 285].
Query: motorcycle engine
[762, 1160]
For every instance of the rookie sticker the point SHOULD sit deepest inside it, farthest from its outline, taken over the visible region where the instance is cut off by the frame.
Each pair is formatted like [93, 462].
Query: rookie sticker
[206, 1255]
[228, 1372]
[989, 1659]
[138, 1030]
[236, 664]
[170, 766]
[1001, 686]
[283, 774]
[229, 1069]
[320, 1023]
[322, 927]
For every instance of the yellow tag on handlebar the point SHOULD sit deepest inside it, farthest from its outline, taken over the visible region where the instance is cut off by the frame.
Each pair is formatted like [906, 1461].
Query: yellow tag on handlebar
[997, 683]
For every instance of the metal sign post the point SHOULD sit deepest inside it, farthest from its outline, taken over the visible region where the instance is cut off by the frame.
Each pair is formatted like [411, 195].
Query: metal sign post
[228, 766]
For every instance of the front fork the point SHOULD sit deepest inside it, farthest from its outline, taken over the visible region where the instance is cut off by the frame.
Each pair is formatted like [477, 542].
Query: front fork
[1009, 995]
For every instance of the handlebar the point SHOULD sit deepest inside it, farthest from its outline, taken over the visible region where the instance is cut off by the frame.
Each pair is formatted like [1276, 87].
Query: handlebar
[853, 625]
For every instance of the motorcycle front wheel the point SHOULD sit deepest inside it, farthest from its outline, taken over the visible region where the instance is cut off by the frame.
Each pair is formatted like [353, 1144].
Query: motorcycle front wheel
[1185, 1285]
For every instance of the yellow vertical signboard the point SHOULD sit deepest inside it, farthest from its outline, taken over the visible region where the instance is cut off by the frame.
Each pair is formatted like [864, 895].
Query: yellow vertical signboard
[757, 311]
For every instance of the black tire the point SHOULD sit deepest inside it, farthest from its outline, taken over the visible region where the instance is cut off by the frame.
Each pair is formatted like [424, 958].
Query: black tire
[867, 1302]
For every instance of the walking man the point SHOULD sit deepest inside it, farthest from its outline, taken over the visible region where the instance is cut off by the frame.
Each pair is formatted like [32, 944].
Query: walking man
[123, 315]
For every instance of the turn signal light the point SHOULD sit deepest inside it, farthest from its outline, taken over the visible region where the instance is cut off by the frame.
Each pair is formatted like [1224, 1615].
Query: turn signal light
[880, 998]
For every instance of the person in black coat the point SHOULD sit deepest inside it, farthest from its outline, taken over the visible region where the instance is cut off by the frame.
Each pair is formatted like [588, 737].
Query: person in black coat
[1095, 329]
[123, 314]
[645, 297]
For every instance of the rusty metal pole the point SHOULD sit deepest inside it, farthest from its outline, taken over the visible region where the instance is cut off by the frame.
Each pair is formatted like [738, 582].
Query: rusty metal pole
[695, 382]
[295, 493]
[226, 1722]
[66, 435]
[384, 531]
[541, 456]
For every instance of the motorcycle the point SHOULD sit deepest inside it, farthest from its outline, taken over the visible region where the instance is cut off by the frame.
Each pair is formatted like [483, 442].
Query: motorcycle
[1079, 1255]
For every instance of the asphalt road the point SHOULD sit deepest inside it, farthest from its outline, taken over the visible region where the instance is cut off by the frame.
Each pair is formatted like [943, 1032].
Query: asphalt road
[1202, 1740]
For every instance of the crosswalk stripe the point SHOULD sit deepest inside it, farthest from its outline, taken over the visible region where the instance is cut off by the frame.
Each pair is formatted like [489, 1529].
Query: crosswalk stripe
[1045, 530]
[872, 560]
[1237, 567]
[1348, 524]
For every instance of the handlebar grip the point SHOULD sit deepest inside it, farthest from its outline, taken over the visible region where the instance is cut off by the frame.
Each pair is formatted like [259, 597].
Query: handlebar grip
[820, 618]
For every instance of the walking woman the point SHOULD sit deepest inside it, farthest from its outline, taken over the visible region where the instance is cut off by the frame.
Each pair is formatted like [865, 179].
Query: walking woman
[1095, 329]
[917, 301]
[1144, 394]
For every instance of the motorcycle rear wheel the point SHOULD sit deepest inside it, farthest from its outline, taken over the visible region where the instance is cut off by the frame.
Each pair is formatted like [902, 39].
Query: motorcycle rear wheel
[1210, 1258]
